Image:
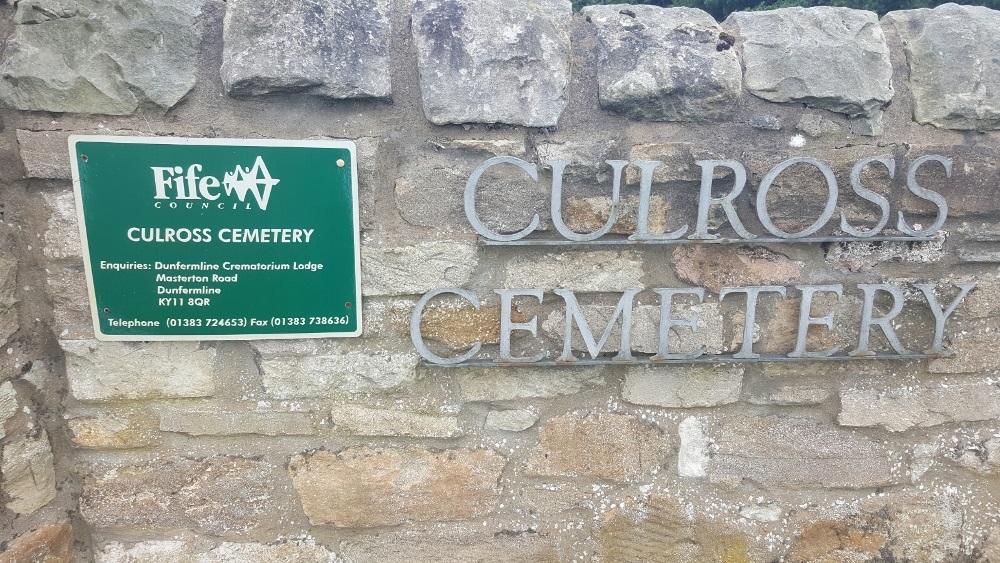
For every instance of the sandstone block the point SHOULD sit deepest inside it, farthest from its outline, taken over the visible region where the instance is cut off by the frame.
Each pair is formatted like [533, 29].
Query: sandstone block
[219, 495]
[367, 421]
[831, 58]
[101, 371]
[969, 189]
[781, 452]
[416, 269]
[607, 446]
[693, 453]
[29, 479]
[715, 268]
[337, 370]
[903, 408]
[449, 547]
[953, 73]
[8, 404]
[678, 162]
[513, 420]
[508, 384]
[462, 326]
[683, 386]
[216, 423]
[588, 214]
[470, 73]
[62, 235]
[113, 430]
[973, 348]
[664, 64]
[88, 56]
[598, 271]
[47, 544]
[330, 48]
[175, 551]
[366, 487]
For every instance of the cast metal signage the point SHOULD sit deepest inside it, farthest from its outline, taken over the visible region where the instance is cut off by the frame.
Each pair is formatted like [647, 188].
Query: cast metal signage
[218, 239]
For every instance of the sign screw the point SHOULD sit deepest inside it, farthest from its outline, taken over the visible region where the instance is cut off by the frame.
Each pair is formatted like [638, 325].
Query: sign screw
[340, 162]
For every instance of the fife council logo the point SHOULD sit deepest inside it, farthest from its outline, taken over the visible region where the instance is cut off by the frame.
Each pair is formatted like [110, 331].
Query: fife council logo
[177, 188]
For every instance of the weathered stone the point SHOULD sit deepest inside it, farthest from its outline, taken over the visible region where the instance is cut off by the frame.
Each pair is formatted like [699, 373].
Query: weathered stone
[588, 214]
[598, 271]
[462, 326]
[513, 420]
[113, 430]
[29, 479]
[607, 446]
[781, 452]
[953, 70]
[661, 529]
[416, 269]
[693, 454]
[860, 256]
[219, 495]
[664, 64]
[100, 371]
[366, 487]
[471, 73]
[330, 48]
[765, 122]
[46, 544]
[715, 268]
[678, 162]
[683, 386]
[8, 404]
[62, 235]
[67, 285]
[850, 539]
[494, 147]
[368, 421]
[789, 395]
[782, 328]
[44, 154]
[215, 423]
[9, 323]
[831, 58]
[815, 125]
[88, 56]
[969, 191]
[175, 551]
[906, 407]
[508, 384]
[973, 350]
[586, 159]
[337, 370]
[432, 546]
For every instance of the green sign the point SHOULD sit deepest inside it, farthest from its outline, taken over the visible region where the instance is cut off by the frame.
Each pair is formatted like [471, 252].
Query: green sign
[219, 239]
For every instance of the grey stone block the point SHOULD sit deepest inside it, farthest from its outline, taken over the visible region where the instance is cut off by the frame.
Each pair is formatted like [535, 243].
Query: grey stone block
[664, 64]
[330, 48]
[493, 61]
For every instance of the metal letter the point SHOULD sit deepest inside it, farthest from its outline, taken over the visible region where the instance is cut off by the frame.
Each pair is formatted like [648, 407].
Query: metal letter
[667, 322]
[772, 175]
[506, 326]
[557, 219]
[418, 339]
[868, 195]
[706, 201]
[883, 322]
[646, 168]
[923, 193]
[573, 313]
[940, 317]
[805, 320]
[470, 198]
[750, 316]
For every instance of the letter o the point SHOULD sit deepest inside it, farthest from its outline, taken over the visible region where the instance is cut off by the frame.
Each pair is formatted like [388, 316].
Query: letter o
[772, 175]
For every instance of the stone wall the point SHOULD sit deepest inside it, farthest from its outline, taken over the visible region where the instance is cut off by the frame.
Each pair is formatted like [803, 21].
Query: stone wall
[354, 449]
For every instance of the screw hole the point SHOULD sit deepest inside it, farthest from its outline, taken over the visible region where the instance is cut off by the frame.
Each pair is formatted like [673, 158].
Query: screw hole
[83, 157]
[107, 311]
[348, 304]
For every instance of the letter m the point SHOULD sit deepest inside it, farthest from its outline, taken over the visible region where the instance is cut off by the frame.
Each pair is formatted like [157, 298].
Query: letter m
[575, 315]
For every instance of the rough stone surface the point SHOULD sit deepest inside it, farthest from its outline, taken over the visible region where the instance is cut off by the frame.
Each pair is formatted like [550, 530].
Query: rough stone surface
[367, 421]
[664, 64]
[330, 48]
[513, 420]
[29, 480]
[100, 371]
[588, 214]
[903, 408]
[219, 495]
[693, 453]
[507, 384]
[780, 452]
[9, 323]
[215, 423]
[968, 346]
[62, 236]
[463, 326]
[953, 70]
[416, 269]
[683, 386]
[678, 162]
[470, 73]
[366, 487]
[113, 430]
[8, 404]
[88, 56]
[175, 551]
[47, 544]
[67, 286]
[831, 58]
[337, 370]
[607, 446]
[44, 154]
[600, 270]
[715, 268]
[449, 547]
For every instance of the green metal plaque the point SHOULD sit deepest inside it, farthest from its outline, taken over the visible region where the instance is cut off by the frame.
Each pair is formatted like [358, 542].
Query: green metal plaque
[219, 239]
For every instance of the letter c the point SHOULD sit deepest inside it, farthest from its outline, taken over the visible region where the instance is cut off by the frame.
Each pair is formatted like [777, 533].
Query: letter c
[418, 339]
[470, 198]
